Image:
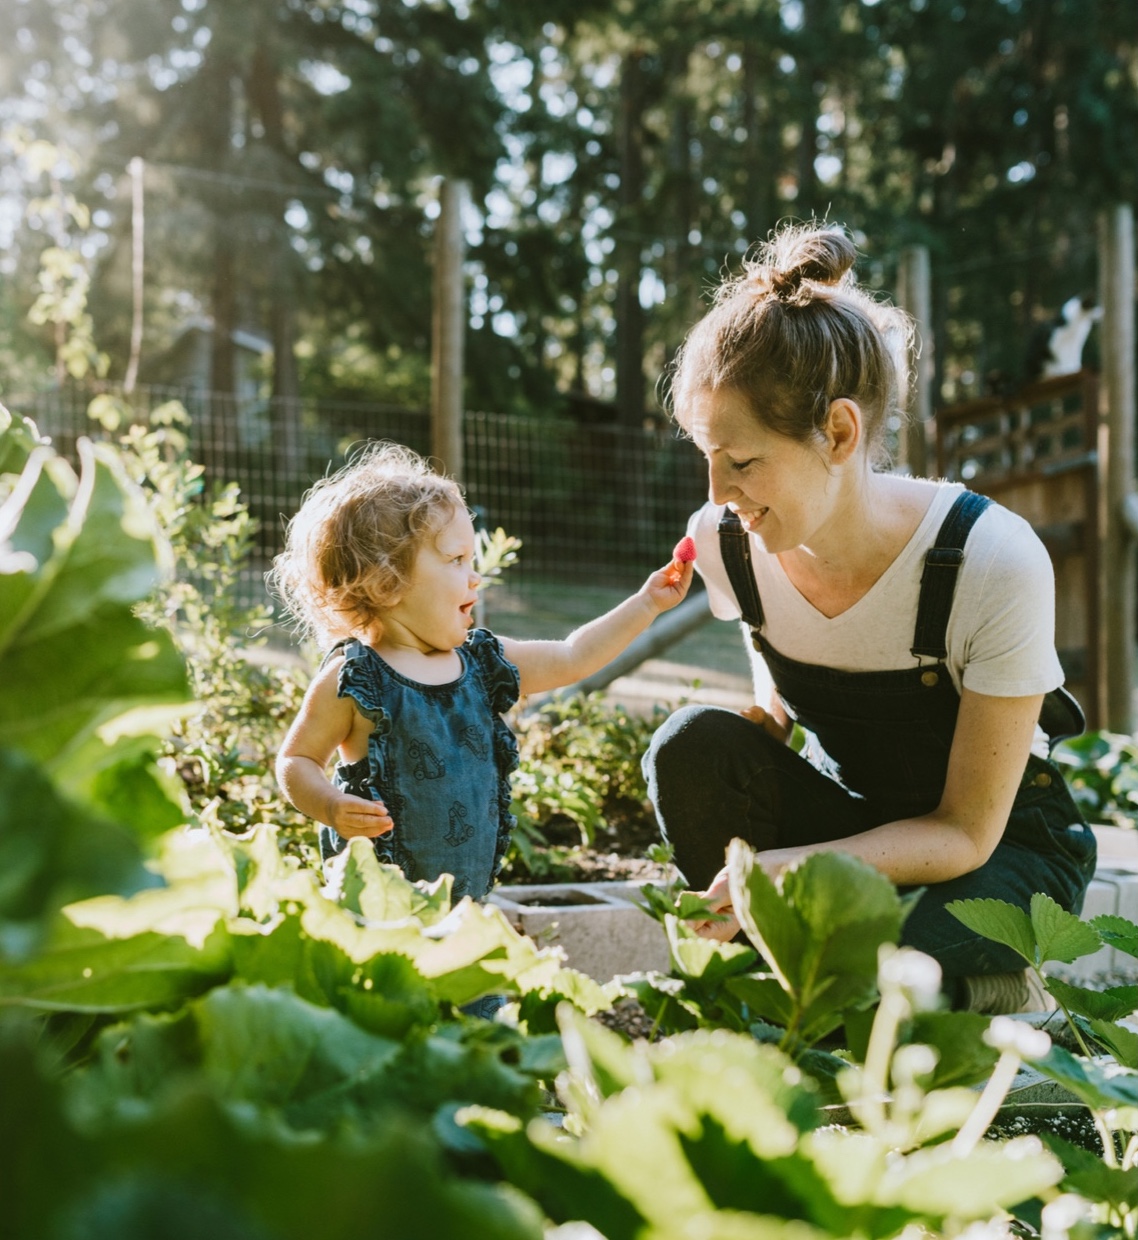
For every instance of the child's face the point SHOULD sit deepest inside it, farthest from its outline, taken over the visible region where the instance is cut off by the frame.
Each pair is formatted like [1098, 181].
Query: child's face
[436, 610]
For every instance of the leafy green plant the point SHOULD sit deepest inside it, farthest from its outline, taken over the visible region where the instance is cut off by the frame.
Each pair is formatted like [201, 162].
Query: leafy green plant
[87, 684]
[579, 781]
[1104, 1076]
[223, 749]
[710, 1133]
[493, 554]
[1101, 769]
[817, 931]
[216, 1038]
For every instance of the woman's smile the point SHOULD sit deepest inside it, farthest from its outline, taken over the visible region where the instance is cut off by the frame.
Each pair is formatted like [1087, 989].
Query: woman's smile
[752, 518]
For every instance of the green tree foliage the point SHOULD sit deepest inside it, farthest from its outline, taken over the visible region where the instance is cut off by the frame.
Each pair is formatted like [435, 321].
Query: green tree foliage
[618, 155]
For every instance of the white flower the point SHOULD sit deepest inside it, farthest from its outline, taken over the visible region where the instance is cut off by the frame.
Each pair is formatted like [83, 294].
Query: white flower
[1060, 1215]
[910, 971]
[1006, 1034]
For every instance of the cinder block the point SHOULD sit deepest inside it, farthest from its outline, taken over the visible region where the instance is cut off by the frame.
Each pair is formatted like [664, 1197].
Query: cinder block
[600, 926]
[1117, 847]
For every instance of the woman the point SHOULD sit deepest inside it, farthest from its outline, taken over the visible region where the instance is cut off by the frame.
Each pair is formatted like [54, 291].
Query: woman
[920, 702]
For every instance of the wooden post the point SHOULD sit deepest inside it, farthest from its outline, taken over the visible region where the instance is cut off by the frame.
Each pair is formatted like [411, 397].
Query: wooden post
[914, 293]
[448, 331]
[1117, 570]
[137, 233]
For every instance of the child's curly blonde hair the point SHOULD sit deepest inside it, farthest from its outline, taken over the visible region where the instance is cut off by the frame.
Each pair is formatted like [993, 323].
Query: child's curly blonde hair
[350, 548]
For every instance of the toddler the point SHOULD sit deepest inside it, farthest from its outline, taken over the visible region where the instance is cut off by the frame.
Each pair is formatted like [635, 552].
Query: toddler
[379, 565]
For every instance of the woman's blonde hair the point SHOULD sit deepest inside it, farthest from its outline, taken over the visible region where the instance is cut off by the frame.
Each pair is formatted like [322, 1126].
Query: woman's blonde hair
[350, 548]
[792, 333]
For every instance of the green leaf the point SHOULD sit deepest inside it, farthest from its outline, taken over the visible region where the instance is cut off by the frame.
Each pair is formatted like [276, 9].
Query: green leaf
[963, 1057]
[999, 921]
[104, 559]
[938, 1185]
[117, 975]
[1116, 932]
[396, 1180]
[704, 959]
[1060, 935]
[1088, 1082]
[52, 851]
[768, 921]
[1091, 1178]
[832, 891]
[598, 1057]
[768, 1104]
[361, 884]
[1110, 1004]
[1120, 1041]
[557, 1174]
[388, 995]
[273, 1049]
[765, 997]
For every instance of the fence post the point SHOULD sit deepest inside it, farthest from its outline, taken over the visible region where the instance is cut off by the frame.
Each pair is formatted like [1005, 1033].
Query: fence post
[1117, 568]
[914, 292]
[137, 254]
[448, 327]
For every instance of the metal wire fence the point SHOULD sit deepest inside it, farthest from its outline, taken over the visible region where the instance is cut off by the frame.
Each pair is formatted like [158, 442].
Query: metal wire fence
[597, 504]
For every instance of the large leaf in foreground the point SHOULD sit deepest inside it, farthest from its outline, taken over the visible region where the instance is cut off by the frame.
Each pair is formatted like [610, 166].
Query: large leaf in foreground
[819, 928]
[189, 1159]
[73, 655]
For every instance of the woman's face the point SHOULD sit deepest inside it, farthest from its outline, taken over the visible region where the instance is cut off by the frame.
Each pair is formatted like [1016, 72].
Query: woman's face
[781, 489]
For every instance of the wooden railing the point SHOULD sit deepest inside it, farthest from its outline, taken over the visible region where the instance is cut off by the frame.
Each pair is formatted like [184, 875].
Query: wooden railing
[1036, 452]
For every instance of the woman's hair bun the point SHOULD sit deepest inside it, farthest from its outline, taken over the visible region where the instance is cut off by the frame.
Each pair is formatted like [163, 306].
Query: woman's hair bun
[806, 255]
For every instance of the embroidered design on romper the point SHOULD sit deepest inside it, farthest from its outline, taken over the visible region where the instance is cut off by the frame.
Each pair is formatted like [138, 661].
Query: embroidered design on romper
[428, 765]
[460, 830]
[473, 737]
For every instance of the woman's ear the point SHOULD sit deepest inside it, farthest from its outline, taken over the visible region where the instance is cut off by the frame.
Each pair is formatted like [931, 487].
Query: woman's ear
[843, 429]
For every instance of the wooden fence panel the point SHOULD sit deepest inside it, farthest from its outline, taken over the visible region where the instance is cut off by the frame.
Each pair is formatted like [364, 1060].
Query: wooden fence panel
[1035, 452]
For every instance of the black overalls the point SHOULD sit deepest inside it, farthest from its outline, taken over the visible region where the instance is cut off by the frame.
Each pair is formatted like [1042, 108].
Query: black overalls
[877, 751]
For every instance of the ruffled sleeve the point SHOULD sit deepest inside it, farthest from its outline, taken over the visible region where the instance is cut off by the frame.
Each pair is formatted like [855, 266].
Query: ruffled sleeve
[497, 673]
[357, 680]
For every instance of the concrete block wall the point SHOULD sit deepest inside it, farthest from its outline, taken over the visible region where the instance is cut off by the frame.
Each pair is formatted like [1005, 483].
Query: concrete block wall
[605, 934]
[1113, 890]
[600, 925]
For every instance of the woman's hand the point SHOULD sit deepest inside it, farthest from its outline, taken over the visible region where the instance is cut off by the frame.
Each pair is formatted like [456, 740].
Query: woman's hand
[718, 898]
[352, 816]
[779, 729]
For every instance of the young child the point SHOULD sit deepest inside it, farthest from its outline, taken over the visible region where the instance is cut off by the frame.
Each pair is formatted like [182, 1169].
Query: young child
[379, 564]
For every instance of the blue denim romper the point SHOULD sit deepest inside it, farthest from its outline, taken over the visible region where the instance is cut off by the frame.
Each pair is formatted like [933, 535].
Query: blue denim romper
[877, 751]
[439, 757]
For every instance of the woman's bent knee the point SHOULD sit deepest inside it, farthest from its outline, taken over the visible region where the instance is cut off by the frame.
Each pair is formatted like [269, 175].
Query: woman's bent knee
[694, 736]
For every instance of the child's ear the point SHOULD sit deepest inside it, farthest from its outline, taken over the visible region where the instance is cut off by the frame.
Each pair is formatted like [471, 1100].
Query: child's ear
[843, 429]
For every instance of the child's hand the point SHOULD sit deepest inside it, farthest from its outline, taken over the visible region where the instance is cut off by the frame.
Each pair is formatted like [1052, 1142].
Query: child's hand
[669, 586]
[352, 816]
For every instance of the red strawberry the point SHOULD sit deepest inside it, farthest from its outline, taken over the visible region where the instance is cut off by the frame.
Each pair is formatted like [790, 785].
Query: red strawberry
[684, 551]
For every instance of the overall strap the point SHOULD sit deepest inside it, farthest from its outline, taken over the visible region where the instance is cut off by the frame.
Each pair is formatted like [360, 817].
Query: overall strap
[938, 581]
[735, 547]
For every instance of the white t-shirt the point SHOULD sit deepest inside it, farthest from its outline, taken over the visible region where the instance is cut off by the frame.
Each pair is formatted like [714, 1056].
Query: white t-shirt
[1001, 631]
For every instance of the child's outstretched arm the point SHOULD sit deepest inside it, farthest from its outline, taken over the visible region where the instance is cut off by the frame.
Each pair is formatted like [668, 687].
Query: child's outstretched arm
[326, 722]
[544, 665]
